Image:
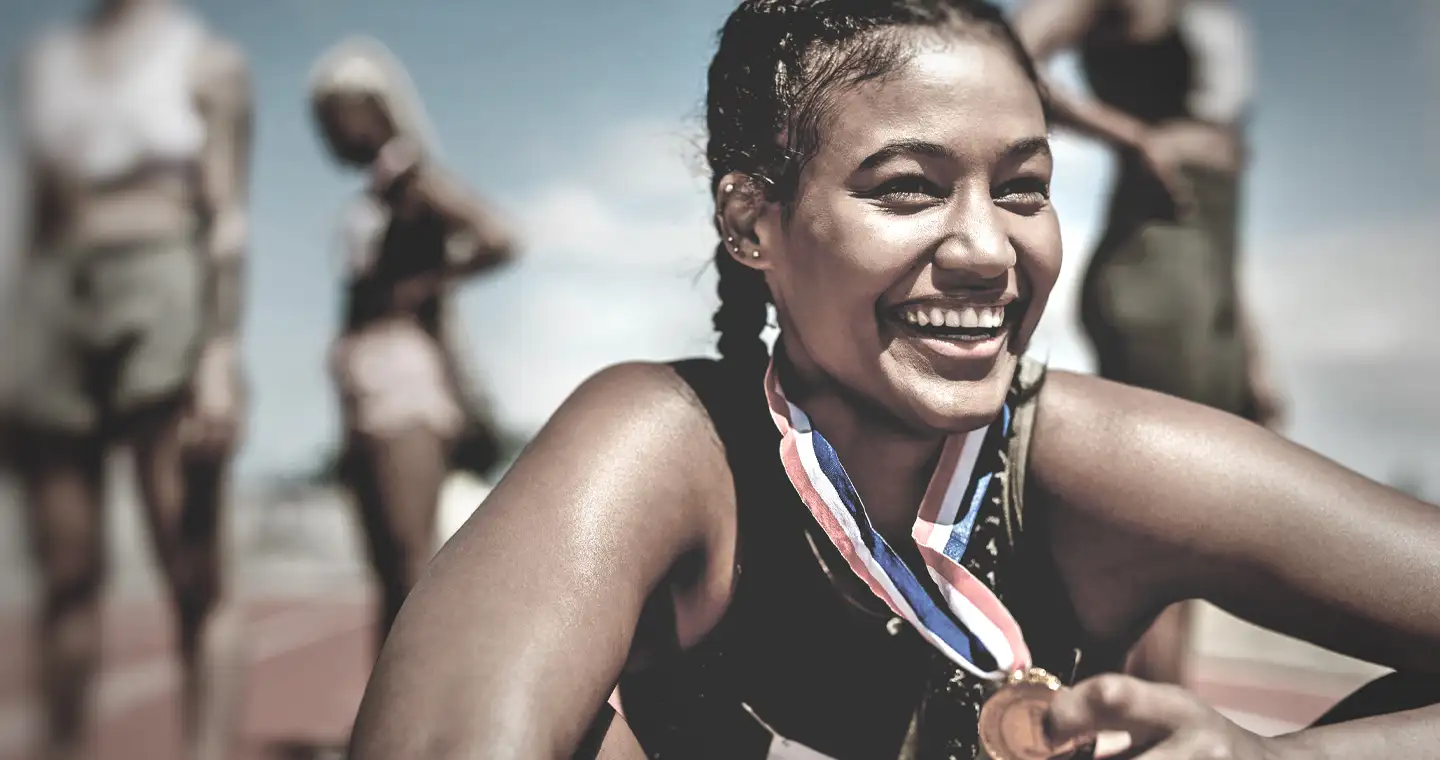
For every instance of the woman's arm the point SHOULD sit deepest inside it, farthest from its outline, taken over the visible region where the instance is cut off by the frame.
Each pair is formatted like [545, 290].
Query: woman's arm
[488, 242]
[510, 644]
[1155, 500]
[1047, 27]
[226, 103]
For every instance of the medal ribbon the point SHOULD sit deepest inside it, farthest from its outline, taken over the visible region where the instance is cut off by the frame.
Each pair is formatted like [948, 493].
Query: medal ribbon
[964, 620]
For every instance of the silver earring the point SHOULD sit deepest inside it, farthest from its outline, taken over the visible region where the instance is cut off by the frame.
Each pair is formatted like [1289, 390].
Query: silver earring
[729, 187]
[730, 239]
[755, 254]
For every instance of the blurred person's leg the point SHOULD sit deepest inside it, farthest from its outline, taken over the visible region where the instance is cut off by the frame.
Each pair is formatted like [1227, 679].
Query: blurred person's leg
[63, 479]
[1162, 654]
[397, 483]
[156, 296]
[402, 417]
[184, 506]
[56, 417]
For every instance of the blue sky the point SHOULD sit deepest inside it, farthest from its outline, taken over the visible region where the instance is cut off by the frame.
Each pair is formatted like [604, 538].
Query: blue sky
[579, 120]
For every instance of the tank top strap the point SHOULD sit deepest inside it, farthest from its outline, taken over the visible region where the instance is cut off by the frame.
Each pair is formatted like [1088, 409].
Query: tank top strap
[734, 397]
[1030, 375]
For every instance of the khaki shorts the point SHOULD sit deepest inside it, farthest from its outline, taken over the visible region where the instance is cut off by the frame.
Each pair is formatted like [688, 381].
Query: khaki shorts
[100, 334]
[1161, 301]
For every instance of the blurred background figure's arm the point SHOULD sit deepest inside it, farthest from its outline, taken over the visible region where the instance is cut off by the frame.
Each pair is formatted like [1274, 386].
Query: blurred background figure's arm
[225, 101]
[1050, 27]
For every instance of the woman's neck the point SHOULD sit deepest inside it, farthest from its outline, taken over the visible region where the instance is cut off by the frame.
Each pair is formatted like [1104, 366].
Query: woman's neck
[889, 465]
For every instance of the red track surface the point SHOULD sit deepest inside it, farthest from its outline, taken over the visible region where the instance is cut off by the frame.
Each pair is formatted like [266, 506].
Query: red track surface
[309, 660]
[308, 665]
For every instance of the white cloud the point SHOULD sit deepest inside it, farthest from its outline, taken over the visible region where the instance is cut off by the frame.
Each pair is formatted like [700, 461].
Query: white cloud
[551, 327]
[641, 202]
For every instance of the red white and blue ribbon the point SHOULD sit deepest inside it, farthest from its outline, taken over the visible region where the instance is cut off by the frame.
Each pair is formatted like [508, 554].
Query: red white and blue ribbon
[959, 615]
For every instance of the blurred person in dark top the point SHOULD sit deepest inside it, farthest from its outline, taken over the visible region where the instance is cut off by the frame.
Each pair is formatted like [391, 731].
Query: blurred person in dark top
[1172, 82]
[411, 408]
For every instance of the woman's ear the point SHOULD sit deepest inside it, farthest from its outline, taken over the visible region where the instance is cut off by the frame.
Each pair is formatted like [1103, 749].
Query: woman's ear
[740, 207]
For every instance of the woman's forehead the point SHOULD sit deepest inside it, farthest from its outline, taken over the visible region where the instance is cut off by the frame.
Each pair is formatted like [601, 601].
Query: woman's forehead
[969, 95]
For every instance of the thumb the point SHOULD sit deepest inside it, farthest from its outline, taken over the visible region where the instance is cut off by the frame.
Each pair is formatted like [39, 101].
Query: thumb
[1148, 712]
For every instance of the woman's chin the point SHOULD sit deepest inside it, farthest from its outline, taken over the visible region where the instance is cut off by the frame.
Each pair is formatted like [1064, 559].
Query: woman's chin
[949, 405]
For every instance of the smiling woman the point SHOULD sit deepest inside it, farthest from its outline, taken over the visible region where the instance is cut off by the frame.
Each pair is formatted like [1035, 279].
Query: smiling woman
[995, 537]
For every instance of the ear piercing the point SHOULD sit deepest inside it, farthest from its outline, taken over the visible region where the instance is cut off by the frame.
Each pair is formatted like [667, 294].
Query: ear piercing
[730, 239]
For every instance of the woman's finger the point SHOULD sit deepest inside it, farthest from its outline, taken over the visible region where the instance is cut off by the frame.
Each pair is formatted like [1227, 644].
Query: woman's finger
[1190, 745]
[1149, 712]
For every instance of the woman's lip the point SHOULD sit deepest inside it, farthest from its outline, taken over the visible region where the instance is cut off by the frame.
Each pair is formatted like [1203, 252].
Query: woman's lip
[954, 348]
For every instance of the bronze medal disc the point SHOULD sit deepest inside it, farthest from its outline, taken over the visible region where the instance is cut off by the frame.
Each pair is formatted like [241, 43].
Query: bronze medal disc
[1012, 721]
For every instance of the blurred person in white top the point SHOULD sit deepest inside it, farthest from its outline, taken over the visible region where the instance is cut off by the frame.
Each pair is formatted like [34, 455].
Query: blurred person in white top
[137, 129]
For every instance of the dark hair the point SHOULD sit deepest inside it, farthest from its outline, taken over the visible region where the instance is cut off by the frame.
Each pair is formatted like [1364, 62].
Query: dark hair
[777, 63]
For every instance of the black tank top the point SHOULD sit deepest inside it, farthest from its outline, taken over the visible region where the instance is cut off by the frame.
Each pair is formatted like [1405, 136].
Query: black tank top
[408, 248]
[793, 653]
[1150, 80]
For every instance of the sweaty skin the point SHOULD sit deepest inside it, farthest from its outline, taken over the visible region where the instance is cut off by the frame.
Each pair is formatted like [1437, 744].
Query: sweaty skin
[932, 185]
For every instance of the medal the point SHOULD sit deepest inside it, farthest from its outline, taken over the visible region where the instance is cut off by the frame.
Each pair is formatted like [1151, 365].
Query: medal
[965, 620]
[1012, 720]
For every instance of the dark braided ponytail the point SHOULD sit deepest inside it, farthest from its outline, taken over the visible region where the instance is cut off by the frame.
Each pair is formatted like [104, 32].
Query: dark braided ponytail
[776, 62]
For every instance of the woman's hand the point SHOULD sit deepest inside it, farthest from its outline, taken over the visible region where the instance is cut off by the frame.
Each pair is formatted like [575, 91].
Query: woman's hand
[1167, 148]
[212, 424]
[1164, 722]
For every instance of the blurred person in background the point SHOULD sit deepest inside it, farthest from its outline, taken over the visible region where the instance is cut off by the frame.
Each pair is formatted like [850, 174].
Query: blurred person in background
[137, 127]
[1173, 82]
[411, 410]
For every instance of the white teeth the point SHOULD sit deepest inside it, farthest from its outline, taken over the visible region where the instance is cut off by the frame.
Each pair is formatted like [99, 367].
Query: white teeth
[970, 317]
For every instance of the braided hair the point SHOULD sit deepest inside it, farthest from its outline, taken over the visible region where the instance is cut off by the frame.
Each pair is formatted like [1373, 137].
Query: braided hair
[777, 62]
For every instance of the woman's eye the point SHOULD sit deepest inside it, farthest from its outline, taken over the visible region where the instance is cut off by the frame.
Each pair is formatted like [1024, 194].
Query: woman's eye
[1029, 193]
[907, 189]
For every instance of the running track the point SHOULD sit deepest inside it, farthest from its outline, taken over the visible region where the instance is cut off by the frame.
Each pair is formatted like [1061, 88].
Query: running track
[308, 664]
[309, 661]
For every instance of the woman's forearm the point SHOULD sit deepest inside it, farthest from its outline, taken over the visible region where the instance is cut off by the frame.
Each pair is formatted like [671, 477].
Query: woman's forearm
[1093, 118]
[1415, 733]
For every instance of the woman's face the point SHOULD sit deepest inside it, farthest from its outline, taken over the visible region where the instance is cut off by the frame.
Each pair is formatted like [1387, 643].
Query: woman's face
[355, 127]
[922, 244]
